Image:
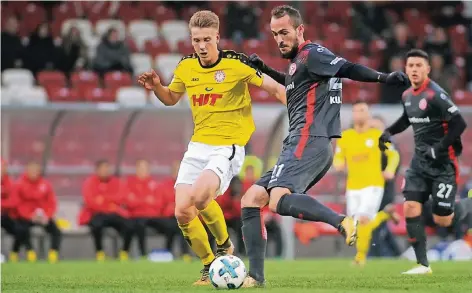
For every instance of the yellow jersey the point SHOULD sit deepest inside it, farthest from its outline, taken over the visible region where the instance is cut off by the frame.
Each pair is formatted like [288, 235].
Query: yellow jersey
[219, 97]
[363, 159]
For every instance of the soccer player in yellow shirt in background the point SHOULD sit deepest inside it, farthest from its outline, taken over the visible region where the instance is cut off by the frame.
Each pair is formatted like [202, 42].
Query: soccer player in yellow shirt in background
[358, 153]
[216, 82]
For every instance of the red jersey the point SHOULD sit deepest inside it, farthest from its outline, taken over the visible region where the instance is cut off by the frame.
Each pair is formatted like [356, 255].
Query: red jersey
[140, 197]
[34, 196]
[165, 193]
[101, 196]
[9, 200]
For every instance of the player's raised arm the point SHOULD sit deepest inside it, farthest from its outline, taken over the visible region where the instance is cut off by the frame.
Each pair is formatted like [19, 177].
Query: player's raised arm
[455, 122]
[169, 96]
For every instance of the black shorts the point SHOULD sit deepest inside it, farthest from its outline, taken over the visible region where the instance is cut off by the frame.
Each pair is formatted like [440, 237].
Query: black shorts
[302, 163]
[425, 178]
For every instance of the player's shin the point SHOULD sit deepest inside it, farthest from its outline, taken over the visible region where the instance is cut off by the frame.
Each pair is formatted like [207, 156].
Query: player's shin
[417, 238]
[197, 238]
[307, 208]
[364, 236]
[378, 220]
[255, 240]
[214, 218]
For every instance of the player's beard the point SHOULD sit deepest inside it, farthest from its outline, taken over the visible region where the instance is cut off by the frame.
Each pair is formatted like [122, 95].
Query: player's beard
[292, 53]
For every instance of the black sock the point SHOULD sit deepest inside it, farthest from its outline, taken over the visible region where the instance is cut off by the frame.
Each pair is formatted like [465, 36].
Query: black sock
[307, 208]
[417, 238]
[255, 239]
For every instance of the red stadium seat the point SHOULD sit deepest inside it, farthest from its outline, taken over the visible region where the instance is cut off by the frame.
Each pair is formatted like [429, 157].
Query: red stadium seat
[158, 46]
[161, 14]
[99, 95]
[458, 35]
[254, 46]
[128, 13]
[227, 44]
[461, 97]
[84, 79]
[185, 47]
[51, 79]
[63, 94]
[116, 79]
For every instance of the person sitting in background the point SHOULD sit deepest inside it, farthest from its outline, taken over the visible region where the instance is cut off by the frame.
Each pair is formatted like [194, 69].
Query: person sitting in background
[74, 51]
[102, 209]
[442, 74]
[230, 203]
[12, 47]
[438, 43]
[144, 203]
[9, 204]
[112, 54]
[37, 206]
[42, 52]
[399, 44]
[166, 196]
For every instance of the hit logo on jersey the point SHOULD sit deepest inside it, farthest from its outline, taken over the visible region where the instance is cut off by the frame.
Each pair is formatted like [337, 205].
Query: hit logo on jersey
[203, 99]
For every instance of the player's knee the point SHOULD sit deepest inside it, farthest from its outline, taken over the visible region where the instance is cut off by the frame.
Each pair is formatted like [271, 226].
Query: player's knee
[442, 215]
[412, 209]
[184, 215]
[275, 196]
[205, 189]
[255, 197]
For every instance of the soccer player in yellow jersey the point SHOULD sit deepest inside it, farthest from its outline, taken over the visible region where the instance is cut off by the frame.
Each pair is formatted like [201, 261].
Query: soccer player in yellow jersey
[357, 152]
[216, 82]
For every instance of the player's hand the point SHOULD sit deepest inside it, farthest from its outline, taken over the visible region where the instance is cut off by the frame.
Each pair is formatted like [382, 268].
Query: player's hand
[383, 139]
[149, 80]
[431, 152]
[397, 78]
[256, 61]
[388, 175]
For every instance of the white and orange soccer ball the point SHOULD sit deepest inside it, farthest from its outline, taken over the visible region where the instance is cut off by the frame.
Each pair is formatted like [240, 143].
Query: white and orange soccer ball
[227, 272]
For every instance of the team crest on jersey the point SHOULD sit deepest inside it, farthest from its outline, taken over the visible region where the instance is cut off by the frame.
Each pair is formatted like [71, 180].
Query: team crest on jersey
[422, 104]
[220, 76]
[292, 69]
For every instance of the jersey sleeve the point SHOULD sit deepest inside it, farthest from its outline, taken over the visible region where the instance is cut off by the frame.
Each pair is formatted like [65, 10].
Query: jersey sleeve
[322, 62]
[447, 108]
[177, 85]
[393, 158]
[249, 74]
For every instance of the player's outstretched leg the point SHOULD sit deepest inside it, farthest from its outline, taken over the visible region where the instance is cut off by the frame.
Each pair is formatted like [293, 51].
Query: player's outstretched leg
[301, 206]
[193, 230]
[204, 191]
[254, 234]
[416, 234]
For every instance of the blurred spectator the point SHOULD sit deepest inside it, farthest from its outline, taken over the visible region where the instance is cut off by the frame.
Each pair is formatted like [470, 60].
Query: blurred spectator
[12, 48]
[9, 204]
[393, 94]
[442, 74]
[241, 21]
[74, 51]
[112, 54]
[102, 208]
[230, 203]
[369, 20]
[400, 44]
[42, 52]
[37, 206]
[438, 43]
[466, 190]
[144, 203]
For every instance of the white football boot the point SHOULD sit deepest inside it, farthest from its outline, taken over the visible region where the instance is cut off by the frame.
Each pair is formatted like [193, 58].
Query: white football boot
[419, 270]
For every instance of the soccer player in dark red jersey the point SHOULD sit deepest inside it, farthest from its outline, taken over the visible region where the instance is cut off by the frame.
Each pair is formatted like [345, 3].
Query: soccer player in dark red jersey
[314, 95]
[437, 127]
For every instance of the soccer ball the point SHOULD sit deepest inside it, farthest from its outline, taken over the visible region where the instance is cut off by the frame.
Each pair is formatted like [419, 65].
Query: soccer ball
[227, 272]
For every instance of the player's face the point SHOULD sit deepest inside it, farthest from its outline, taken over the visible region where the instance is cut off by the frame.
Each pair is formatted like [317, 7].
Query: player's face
[34, 171]
[417, 69]
[142, 169]
[103, 171]
[360, 113]
[205, 43]
[286, 36]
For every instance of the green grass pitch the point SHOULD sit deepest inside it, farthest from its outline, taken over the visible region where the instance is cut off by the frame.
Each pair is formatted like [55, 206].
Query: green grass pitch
[326, 275]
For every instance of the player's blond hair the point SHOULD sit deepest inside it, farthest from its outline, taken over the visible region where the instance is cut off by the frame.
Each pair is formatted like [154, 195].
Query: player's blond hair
[204, 19]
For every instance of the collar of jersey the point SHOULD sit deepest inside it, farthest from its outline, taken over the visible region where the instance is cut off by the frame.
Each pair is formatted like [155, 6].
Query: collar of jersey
[220, 55]
[303, 44]
[422, 87]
